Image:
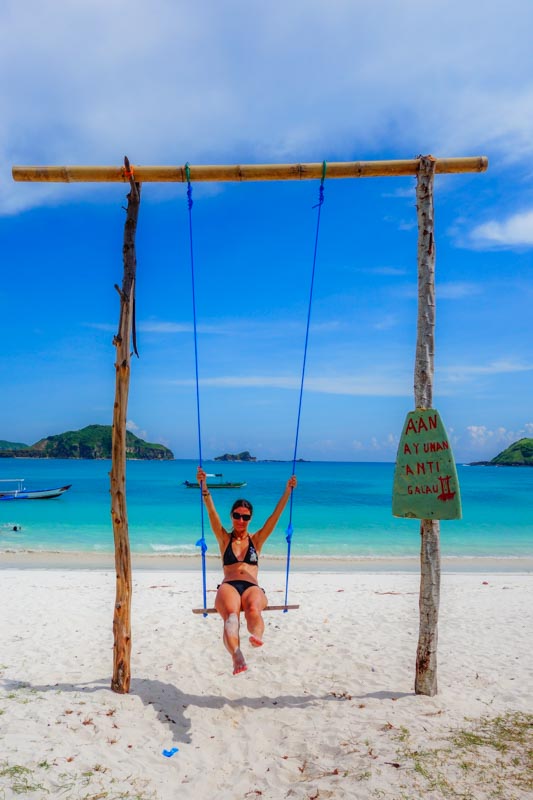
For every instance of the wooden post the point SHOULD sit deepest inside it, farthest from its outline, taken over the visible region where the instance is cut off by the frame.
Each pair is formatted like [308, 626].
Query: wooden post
[426, 655]
[120, 681]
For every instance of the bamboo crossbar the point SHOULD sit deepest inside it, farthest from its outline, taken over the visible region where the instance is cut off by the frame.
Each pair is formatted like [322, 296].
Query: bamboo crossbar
[268, 608]
[244, 172]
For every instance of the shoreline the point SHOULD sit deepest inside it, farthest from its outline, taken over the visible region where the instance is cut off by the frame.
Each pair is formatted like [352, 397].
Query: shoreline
[34, 559]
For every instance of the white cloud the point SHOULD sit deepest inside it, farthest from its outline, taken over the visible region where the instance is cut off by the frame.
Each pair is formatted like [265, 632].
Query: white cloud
[479, 434]
[257, 329]
[482, 436]
[180, 327]
[457, 290]
[100, 326]
[388, 271]
[403, 194]
[385, 445]
[330, 326]
[134, 428]
[464, 372]
[165, 327]
[516, 231]
[146, 327]
[453, 290]
[386, 323]
[407, 225]
[362, 386]
[202, 67]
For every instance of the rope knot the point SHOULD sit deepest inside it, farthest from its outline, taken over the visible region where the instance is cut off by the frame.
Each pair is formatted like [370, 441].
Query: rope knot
[202, 544]
[320, 196]
[288, 537]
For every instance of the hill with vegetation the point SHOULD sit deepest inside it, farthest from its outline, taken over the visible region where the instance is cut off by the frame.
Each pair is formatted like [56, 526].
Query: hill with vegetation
[244, 456]
[518, 454]
[93, 441]
[12, 445]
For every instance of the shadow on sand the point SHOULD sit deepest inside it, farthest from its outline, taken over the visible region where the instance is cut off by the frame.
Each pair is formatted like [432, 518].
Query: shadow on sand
[170, 704]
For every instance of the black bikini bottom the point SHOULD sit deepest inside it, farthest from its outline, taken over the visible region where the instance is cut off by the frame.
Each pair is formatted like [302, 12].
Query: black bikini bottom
[241, 586]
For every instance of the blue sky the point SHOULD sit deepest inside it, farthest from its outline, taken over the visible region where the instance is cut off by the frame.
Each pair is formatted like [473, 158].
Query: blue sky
[247, 82]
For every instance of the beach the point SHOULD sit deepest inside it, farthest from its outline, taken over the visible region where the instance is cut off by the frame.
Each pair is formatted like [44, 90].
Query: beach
[325, 709]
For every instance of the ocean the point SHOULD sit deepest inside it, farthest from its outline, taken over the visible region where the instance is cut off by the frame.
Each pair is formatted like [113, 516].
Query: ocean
[340, 510]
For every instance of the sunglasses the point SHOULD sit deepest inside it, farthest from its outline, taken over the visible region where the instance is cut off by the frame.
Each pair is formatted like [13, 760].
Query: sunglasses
[244, 517]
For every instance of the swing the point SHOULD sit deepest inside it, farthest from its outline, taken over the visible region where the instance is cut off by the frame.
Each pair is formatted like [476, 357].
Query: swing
[201, 543]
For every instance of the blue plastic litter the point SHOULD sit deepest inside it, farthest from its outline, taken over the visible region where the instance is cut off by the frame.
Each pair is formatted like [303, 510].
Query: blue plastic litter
[169, 753]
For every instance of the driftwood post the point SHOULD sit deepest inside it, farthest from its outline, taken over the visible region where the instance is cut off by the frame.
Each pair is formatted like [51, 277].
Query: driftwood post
[426, 655]
[120, 681]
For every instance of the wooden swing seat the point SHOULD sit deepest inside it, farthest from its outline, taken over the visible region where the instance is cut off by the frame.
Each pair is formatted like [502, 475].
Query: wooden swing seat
[268, 608]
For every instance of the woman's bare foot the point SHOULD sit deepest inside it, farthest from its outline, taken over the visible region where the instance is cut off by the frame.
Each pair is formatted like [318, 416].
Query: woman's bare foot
[255, 641]
[239, 664]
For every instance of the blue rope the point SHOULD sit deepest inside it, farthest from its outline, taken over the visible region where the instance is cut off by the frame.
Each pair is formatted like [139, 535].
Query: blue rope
[288, 537]
[201, 543]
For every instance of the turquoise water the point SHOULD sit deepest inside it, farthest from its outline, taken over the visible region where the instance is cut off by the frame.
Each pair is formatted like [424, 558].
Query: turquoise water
[340, 509]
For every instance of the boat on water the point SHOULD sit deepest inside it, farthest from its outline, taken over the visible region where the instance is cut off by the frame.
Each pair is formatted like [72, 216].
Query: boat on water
[215, 484]
[20, 492]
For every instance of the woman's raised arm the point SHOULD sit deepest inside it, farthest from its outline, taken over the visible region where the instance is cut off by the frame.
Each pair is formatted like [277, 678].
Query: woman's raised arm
[263, 533]
[214, 519]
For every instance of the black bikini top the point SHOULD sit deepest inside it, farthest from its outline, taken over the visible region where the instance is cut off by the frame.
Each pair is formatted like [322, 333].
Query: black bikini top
[250, 557]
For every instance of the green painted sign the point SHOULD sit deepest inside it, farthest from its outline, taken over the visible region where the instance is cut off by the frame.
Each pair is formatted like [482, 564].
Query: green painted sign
[425, 478]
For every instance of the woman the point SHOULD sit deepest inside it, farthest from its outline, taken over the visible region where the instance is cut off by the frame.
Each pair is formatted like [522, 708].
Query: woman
[240, 553]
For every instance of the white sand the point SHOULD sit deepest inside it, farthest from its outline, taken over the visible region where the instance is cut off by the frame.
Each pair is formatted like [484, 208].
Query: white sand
[326, 708]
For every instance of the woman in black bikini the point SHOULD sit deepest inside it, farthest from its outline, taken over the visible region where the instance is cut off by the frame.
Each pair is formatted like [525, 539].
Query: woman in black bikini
[240, 552]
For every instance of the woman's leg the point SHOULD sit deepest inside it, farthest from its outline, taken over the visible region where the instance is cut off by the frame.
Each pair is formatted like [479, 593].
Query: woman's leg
[253, 602]
[228, 605]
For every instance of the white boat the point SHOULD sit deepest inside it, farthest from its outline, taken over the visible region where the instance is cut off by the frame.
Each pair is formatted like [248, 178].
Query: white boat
[215, 484]
[20, 492]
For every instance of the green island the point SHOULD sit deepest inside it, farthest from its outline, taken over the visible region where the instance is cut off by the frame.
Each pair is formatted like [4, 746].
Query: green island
[244, 456]
[93, 441]
[12, 445]
[518, 454]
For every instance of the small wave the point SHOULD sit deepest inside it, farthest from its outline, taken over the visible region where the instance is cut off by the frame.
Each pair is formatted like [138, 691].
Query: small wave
[177, 548]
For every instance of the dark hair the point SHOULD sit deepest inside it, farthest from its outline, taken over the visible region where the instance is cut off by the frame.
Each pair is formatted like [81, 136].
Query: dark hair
[244, 503]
